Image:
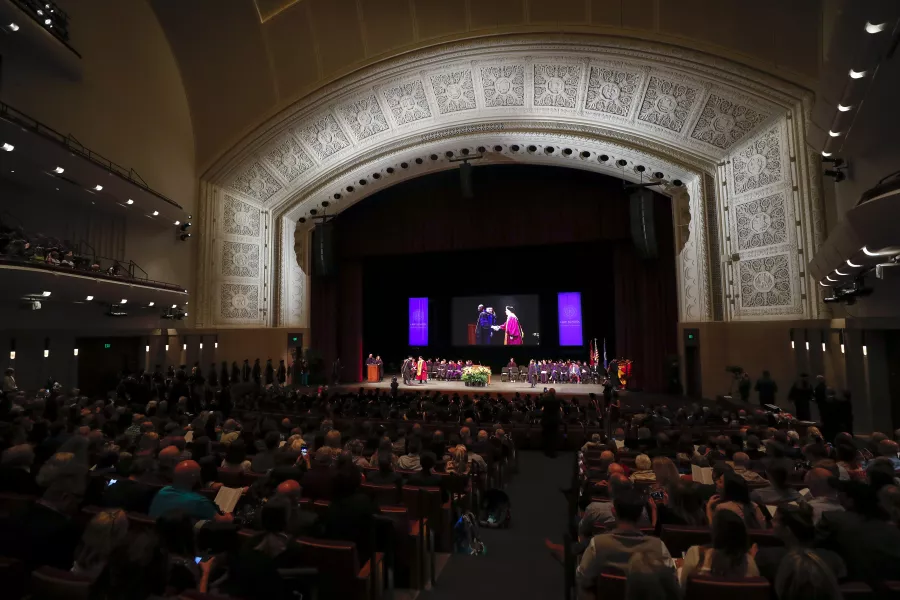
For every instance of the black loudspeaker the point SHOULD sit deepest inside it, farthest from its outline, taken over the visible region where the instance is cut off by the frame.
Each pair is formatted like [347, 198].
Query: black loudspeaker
[323, 250]
[465, 179]
[643, 230]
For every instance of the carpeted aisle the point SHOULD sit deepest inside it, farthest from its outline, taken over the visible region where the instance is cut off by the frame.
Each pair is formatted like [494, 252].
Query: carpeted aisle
[517, 564]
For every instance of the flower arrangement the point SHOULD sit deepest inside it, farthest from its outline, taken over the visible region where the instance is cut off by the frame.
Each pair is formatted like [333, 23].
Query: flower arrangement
[476, 375]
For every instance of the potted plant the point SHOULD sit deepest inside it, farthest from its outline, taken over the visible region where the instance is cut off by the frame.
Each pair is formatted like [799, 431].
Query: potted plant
[476, 376]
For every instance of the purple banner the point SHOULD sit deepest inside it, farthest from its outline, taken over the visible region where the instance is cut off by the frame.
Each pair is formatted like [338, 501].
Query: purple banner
[418, 321]
[569, 313]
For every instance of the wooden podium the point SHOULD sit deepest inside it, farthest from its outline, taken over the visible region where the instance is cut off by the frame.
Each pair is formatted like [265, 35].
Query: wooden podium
[472, 338]
[372, 374]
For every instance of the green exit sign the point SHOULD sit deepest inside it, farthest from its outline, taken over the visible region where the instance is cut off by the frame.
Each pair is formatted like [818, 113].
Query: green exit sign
[107, 346]
[293, 339]
[690, 336]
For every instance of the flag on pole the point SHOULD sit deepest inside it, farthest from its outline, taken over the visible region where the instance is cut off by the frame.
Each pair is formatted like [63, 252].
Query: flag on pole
[604, 353]
[591, 353]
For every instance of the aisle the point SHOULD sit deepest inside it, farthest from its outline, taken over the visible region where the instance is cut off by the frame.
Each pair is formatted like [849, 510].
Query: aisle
[517, 564]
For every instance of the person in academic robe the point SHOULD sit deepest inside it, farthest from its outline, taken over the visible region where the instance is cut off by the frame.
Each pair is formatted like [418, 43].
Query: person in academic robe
[380, 364]
[246, 370]
[223, 374]
[370, 361]
[483, 327]
[533, 373]
[544, 370]
[213, 379]
[281, 374]
[257, 372]
[406, 370]
[511, 365]
[235, 373]
[612, 371]
[421, 371]
[513, 330]
[270, 372]
[575, 373]
[554, 372]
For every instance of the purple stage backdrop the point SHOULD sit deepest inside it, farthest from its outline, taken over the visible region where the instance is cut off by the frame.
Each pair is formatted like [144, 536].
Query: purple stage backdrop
[569, 314]
[418, 321]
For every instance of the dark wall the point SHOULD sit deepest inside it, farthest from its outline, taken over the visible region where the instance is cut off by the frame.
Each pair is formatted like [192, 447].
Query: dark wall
[526, 230]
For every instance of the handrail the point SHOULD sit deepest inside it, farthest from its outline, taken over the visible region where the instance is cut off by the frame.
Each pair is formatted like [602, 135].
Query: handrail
[10, 261]
[133, 265]
[73, 145]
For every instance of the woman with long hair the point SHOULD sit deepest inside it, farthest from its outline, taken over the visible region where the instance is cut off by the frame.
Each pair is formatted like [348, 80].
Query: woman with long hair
[681, 505]
[459, 461]
[803, 575]
[728, 555]
[104, 535]
[666, 472]
[735, 497]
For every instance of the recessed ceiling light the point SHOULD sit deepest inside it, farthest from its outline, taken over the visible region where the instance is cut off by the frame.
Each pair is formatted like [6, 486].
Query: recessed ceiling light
[857, 74]
[124, 301]
[130, 201]
[47, 21]
[8, 147]
[13, 27]
[870, 28]
[178, 222]
[58, 170]
[826, 153]
[843, 108]
[174, 306]
[45, 294]
[185, 314]
[98, 187]
[852, 265]
[155, 213]
[151, 304]
[89, 298]
[40, 12]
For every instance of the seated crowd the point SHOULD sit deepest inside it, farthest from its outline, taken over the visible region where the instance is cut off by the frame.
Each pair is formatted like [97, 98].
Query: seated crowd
[95, 473]
[787, 507]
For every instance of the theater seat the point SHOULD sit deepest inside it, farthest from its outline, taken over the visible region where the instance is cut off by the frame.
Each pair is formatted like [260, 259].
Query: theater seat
[48, 583]
[857, 590]
[714, 588]
[411, 567]
[341, 574]
[382, 494]
[679, 538]
[610, 586]
[233, 478]
[427, 503]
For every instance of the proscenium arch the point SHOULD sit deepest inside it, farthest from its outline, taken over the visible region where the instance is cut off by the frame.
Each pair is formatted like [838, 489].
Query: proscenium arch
[734, 136]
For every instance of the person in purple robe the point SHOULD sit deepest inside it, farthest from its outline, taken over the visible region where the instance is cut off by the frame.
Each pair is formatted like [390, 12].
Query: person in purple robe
[544, 370]
[514, 334]
[533, 373]
[485, 327]
[554, 373]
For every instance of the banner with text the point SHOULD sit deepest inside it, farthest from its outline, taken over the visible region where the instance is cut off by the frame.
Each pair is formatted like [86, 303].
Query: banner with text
[418, 321]
[569, 314]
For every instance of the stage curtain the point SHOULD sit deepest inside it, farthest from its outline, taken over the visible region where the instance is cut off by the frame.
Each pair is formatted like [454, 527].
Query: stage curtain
[646, 305]
[323, 329]
[350, 320]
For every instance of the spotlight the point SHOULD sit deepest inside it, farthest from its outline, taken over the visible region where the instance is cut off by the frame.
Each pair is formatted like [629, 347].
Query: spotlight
[842, 274]
[123, 301]
[184, 346]
[201, 345]
[190, 216]
[151, 304]
[852, 265]
[174, 306]
[155, 213]
[826, 154]
[8, 147]
[842, 347]
[89, 298]
[130, 202]
[857, 74]
[167, 347]
[46, 353]
[325, 203]
[834, 133]
[865, 351]
[178, 222]
[843, 108]
[12, 355]
[40, 12]
[823, 346]
[58, 170]
[146, 348]
[46, 21]
[807, 345]
[184, 236]
[13, 27]
[185, 314]
[98, 187]
[216, 345]
[75, 352]
[870, 28]
[45, 294]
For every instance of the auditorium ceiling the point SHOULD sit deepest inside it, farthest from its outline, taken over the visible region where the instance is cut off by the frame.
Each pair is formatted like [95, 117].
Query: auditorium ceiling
[244, 61]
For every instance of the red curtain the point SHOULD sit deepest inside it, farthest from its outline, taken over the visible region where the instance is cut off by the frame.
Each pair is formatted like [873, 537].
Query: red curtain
[647, 305]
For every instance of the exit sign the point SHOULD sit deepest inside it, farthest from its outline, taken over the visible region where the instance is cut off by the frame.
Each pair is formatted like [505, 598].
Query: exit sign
[294, 339]
[107, 346]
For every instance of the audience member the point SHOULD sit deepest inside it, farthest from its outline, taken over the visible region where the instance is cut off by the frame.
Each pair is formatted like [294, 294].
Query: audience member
[728, 557]
[180, 496]
[15, 471]
[650, 577]
[643, 469]
[794, 526]
[822, 496]
[104, 535]
[804, 576]
[778, 491]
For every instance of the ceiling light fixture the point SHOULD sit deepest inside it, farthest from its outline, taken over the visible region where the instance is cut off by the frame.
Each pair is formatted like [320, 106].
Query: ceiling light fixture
[834, 133]
[839, 273]
[178, 222]
[58, 170]
[826, 154]
[824, 284]
[873, 28]
[174, 306]
[46, 21]
[843, 108]
[45, 294]
[130, 201]
[89, 298]
[123, 301]
[151, 304]
[98, 187]
[8, 147]
[857, 74]
[828, 277]
[13, 27]
[852, 265]
[155, 213]
[75, 351]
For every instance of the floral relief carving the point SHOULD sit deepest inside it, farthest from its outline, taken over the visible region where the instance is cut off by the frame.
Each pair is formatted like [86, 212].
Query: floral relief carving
[289, 159]
[612, 91]
[759, 164]
[723, 122]
[408, 102]
[762, 222]
[240, 218]
[503, 85]
[766, 282]
[453, 91]
[256, 182]
[556, 85]
[667, 103]
[364, 117]
[239, 301]
[324, 136]
[240, 259]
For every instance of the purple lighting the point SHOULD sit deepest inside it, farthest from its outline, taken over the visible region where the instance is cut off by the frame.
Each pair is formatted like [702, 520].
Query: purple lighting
[569, 313]
[418, 321]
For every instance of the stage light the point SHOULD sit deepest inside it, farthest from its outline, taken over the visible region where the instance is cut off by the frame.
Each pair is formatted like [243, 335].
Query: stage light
[8, 147]
[45, 294]
[834, 133]
[843, 108]
[123, 301]
[13, 27]
[46, 353]
[58, 170]
[98, 187]
[873, 28]
[155, 213]
[129, 202]
[89, 298]
[839, 273]
[852, 265]
[178, 222]
[151, 304]
[857, 74]
[826, 154]
[75, 352]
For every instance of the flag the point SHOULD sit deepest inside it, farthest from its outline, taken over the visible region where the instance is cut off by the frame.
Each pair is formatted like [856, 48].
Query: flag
[591, 353]
[604, 353]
